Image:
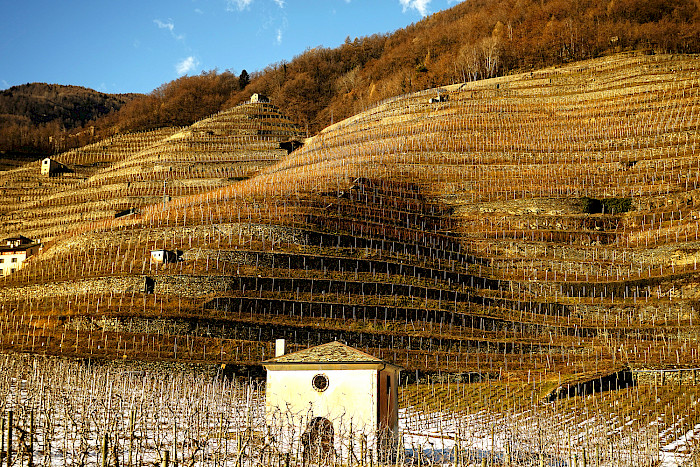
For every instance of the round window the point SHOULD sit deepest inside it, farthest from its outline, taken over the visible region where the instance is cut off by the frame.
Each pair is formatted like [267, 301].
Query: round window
[320, 382]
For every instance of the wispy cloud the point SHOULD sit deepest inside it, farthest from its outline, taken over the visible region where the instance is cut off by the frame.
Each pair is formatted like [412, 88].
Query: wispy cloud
[198, 11]
[240, 5]
[4, 84]
[279, 36]
[186, 65]
[170, 26]
[162, 25]
[421, 6]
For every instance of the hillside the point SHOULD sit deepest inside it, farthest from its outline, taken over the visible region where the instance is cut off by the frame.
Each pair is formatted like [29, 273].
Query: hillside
[470, 41]
[543, 223]
[525, 245]
[32, 113]
[119, 176]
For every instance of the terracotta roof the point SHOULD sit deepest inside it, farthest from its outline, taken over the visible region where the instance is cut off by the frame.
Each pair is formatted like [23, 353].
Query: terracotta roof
[332, 352]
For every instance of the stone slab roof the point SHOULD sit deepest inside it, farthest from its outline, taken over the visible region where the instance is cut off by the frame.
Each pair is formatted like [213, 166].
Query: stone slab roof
[331, 352]
[23, 246]
[20, 238]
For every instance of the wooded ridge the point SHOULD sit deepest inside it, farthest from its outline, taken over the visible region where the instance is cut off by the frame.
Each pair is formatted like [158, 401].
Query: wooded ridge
[470, 41]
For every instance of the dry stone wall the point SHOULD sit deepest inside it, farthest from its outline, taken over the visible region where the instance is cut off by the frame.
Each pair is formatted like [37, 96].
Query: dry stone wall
[177, 285]
[274, 234]
[661, 377]
[79, 287]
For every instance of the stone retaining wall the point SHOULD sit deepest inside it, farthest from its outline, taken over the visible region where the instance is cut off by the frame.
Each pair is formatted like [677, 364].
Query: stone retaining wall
[667, 376]
[274, 234]
[80, 287]
[162, 368]
[184, 286]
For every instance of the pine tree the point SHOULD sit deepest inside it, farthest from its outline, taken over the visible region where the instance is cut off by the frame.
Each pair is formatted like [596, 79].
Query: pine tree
[243, 79]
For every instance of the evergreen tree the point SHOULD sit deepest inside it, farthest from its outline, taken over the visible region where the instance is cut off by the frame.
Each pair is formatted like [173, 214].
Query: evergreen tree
[243, 79]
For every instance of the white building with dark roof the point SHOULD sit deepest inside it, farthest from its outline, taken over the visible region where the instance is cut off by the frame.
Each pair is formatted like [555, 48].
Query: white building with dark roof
[50, 166]
[335, 401]
[259, 99]
[165, 256]
[14, 252]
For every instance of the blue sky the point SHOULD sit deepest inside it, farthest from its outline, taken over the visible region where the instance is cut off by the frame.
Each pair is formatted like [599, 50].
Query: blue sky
[119, 46]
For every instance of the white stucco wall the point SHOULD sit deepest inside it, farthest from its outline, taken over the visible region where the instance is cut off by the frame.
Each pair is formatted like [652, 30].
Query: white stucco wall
[350, 402]
[47, 165]
[7, 265]
[157, 256]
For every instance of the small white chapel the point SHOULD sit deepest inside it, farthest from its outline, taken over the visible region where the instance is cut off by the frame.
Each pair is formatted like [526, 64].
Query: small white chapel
[334, 401]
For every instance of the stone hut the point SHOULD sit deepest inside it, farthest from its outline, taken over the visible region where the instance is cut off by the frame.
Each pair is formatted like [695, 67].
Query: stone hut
[51, 167]
[165, 256]
[440, 98]
[258, 99]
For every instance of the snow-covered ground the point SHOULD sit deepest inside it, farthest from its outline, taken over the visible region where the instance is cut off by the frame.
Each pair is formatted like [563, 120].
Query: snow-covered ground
[200, 420]
[603, 439]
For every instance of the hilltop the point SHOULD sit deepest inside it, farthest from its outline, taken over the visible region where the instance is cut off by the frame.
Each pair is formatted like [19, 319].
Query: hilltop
[32, 113]
[471, 41]
[542, 223]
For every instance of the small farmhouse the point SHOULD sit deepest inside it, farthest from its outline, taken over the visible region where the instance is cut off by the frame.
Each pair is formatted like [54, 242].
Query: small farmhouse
[50, 167]
[165, 256]
[258, 99]
[14, 251]
[439, 98]
[337, 401]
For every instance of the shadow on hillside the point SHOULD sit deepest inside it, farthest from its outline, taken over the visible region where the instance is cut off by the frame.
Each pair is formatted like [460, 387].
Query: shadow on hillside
[619, 380]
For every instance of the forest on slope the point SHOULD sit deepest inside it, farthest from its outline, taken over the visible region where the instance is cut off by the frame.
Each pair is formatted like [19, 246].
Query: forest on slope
[471, 41]
[32, 115]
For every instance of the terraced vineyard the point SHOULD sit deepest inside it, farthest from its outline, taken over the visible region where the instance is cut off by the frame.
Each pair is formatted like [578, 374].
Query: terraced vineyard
[537, 228]
[119, 176]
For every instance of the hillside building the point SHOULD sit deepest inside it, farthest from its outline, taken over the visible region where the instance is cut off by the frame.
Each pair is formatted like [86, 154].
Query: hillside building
[50, 167]
[14, 252]
[258, 99]
[333, 400]
[439, 98]
[164, 256]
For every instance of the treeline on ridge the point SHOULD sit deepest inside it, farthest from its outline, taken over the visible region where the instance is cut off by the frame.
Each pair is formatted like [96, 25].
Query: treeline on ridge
[33, 115]
[473, 40]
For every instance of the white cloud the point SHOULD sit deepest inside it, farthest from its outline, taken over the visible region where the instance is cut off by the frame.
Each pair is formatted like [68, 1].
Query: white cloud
[161, 25]
[279, 36]
[186, 65]
[170, 26]
[198, 11]
[421, 6]
[4, 84]
[239, 5]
